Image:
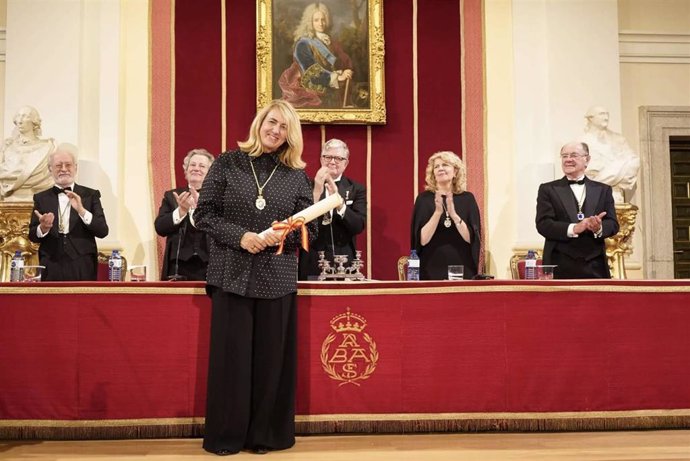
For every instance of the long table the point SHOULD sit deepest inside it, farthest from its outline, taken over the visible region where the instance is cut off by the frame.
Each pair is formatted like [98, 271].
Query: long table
[101, 360]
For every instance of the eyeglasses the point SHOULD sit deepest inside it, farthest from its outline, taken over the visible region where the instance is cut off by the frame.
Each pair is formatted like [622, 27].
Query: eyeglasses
[572, 155]
[335, 158]
[60, 166]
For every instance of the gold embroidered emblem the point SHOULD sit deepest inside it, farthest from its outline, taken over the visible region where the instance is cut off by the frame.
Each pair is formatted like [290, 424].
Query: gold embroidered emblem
[350, 360]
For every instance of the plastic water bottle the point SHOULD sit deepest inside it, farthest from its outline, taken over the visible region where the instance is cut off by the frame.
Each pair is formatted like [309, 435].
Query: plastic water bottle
[531, 265]
[17, 267]
[115, 266]
[413, 266]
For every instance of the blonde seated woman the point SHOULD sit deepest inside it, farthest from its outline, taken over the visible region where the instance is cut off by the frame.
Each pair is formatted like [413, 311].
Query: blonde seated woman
[445, 222]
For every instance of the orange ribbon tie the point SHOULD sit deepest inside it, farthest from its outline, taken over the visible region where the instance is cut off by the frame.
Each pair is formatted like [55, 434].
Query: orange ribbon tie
[287, 227]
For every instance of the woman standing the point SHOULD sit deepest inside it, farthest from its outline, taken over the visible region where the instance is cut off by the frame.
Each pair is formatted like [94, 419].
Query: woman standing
[252, 358]
[445, 223]
[186, 248]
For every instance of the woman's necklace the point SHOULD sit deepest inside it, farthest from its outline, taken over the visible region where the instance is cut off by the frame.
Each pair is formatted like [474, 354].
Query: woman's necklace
[260, 200]
[447, 222]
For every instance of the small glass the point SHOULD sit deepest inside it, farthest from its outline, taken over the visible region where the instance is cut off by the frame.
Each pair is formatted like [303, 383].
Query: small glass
[32, 273]
[137, 273]
[456, 272]
[545, 271]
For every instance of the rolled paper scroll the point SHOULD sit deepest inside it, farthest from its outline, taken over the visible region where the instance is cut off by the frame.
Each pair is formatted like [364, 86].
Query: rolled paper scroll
[307, 215]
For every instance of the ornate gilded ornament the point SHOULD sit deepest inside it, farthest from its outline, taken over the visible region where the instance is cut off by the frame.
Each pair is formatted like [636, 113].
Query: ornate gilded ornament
[620, 244]
[14, 235]
[349, 355]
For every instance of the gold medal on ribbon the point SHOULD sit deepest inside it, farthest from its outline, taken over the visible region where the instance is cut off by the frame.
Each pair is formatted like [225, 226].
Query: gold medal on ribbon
[260, 202]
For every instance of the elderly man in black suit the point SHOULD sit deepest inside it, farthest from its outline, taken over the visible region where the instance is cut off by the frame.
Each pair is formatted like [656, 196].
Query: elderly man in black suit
[339, 228]
[66, 221]
[186, 247]
[575, 214]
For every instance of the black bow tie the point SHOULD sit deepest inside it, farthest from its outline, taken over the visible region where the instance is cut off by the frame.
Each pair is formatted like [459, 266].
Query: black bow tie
[572, 181]
[57, 190]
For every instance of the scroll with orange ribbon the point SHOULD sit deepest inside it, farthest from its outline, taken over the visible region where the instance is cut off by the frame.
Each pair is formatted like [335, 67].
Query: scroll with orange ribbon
[298, 220]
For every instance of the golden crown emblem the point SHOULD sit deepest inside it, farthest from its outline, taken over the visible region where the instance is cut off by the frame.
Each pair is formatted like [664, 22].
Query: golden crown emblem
[348, 321]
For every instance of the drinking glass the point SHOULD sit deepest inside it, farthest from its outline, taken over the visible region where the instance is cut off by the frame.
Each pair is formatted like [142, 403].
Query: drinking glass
[137, 273]
[545, 271]
[456, 272]
[33, 273]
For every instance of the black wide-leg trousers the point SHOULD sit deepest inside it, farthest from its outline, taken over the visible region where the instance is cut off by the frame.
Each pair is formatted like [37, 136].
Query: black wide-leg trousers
[250, 399]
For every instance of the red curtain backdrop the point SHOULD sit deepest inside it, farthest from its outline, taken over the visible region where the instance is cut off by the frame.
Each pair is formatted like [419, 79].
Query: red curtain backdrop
[440, 27]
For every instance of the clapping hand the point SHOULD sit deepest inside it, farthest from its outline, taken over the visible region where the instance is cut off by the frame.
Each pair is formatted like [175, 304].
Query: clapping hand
[45, 221]
[323, 179]
[450, 205]
[185, 201]
[195, 196]
[75, 201]
[438, 202]
[592, 223]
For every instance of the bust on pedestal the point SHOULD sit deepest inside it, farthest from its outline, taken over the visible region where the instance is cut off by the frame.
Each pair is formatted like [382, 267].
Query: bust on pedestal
[24, 159]
[23, 172]
[613, 162]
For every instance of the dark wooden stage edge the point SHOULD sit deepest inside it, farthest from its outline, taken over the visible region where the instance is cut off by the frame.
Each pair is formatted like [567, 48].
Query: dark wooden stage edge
[357, 424]
[103, 361]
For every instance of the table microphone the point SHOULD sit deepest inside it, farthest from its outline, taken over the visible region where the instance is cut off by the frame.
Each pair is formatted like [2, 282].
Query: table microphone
[177, 277]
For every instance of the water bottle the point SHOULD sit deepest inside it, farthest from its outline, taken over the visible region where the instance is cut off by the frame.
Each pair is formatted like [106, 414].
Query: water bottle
[531, 265]
[17, 267]
[413, 266]
[115, 266]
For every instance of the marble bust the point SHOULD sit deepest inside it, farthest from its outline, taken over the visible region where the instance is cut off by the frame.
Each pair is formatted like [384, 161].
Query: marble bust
[24, 159]
[612, 161]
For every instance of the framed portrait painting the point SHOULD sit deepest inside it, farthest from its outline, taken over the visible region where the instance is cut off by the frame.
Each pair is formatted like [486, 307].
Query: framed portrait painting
[325, 58]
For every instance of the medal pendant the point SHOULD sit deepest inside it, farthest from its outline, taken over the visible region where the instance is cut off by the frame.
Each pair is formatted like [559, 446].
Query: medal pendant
[447, 222]
[260, 202]
[326, 219]
[580, 216]
[61, 228]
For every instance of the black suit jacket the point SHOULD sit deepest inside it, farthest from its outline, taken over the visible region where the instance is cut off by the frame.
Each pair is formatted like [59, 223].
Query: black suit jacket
[557, 209]
[194, 242]
[81, 238]
[345, 228]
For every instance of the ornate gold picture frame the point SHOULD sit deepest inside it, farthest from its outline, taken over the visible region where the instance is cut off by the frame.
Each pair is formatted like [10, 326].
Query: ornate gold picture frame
[326, 58]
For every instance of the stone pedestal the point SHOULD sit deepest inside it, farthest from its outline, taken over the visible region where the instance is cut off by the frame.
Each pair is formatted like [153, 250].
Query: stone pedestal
[621, 244]
[14, 235]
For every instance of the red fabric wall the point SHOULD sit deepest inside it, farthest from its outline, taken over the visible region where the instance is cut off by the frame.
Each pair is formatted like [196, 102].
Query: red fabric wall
[439, 77]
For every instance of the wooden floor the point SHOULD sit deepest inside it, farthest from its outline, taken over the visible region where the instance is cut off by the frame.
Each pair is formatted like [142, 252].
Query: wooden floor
[587, 446]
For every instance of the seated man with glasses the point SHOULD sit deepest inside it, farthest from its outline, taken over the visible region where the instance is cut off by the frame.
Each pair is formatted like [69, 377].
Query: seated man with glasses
[339, 228]
[67, 219]
[575, 214]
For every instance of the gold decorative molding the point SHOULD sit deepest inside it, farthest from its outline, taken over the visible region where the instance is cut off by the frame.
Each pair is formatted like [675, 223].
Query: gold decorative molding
[621, 244]
[14, 235]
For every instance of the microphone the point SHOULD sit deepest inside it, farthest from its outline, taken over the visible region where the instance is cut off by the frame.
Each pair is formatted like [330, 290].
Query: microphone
[176, 277]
